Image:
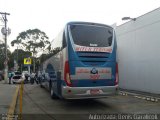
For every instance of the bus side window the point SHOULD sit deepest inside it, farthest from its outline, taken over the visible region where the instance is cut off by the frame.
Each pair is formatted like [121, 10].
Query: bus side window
[64, 44]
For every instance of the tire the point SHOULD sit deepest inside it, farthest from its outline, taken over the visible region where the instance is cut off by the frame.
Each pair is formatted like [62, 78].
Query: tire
[41, 84]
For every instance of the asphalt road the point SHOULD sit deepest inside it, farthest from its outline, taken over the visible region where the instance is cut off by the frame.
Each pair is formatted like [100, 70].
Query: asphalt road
[38, 105]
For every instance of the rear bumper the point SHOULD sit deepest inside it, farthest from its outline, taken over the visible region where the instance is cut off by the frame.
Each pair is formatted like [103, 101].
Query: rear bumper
[84, 92]
[17, 81]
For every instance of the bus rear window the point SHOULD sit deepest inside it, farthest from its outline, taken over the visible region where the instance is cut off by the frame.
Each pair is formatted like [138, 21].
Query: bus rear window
[91, 35]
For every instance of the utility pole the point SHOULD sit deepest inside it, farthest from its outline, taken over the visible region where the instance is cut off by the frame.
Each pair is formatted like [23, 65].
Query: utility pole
[5, 33]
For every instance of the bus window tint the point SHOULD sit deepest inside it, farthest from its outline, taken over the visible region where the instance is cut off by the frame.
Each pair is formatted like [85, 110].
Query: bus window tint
[91, 35]
[56, 44]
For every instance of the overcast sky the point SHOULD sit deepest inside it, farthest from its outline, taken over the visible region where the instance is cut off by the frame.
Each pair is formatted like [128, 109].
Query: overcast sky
[50, 16]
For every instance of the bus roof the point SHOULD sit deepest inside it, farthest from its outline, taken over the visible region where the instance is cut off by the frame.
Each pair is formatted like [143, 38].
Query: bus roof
[88, 23]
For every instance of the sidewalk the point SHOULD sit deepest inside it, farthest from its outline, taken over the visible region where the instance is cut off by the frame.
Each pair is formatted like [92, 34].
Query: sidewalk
[8, 96]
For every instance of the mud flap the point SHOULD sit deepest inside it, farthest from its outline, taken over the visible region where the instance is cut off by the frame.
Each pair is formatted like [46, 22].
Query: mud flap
[59, 89]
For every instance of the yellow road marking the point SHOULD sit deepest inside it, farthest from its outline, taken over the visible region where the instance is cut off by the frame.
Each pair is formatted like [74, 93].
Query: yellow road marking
[21, 99]
[13, 104]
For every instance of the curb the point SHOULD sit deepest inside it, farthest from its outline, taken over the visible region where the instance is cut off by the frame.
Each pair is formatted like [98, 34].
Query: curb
[13, 105]
[140, 96]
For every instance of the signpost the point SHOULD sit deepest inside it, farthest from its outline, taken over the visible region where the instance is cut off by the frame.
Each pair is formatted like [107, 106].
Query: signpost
[28, 62]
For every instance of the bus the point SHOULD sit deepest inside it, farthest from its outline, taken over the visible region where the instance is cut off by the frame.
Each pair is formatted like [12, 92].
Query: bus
[84, 62]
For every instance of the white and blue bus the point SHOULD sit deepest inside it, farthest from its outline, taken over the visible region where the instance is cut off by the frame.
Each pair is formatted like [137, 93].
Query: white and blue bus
[85, 61]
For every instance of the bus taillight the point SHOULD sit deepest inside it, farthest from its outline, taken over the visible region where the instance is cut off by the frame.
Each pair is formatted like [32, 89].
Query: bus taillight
[66, 74]
[116, 81]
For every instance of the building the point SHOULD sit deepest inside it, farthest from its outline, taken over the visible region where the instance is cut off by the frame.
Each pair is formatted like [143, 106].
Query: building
[139, 53]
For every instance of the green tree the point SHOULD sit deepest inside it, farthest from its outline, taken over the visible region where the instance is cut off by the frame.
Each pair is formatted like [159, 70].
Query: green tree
[19, 55]
[32, 40]
[2, 54]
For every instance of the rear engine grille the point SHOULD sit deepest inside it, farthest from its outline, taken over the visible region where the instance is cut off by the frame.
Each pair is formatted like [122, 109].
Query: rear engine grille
[93, 55]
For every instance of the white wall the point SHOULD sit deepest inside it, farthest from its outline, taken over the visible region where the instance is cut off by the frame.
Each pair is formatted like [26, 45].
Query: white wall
[139, 53]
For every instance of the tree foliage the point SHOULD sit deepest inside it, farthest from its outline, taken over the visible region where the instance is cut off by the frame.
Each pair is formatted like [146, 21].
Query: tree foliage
[2, 54]
[18, 55]
[32, 40]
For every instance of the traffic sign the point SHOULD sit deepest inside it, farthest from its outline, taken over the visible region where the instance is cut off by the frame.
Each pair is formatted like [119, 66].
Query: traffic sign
[9, 31]
[27, 61]
[4, 31]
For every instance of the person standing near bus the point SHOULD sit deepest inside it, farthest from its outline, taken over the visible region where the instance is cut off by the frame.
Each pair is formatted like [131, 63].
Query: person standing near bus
[10, 76]
[32, 78]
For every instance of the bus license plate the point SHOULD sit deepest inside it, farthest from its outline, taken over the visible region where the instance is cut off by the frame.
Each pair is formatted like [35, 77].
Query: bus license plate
[94, 91]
